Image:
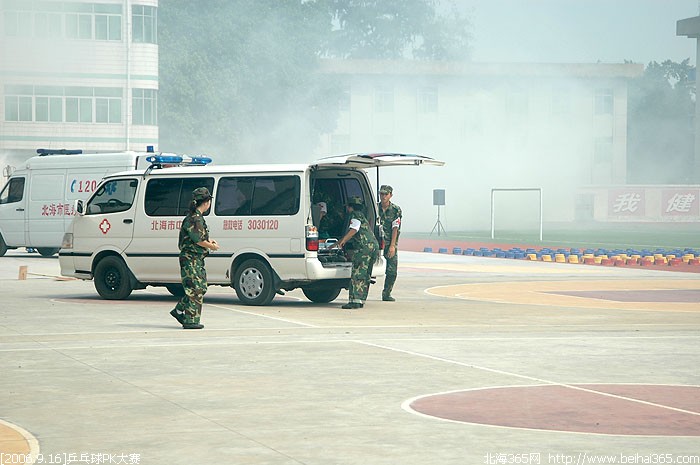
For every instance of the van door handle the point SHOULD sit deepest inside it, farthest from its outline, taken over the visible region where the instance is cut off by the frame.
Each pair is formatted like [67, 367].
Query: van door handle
[20, 209]
[128, 221]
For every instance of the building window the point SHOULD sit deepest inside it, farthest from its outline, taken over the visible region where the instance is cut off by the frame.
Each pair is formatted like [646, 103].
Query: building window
[108, 22]
[144, 24]
[49, 103]
[603, 101]
[108, 105]
[18, 18]
[383, 100]
[603, 150]
[427, 100]
[145, 107]
[18, 108]
[48, 109]
[79, 21]
[48, 24]
[70, 20]
[79, 104]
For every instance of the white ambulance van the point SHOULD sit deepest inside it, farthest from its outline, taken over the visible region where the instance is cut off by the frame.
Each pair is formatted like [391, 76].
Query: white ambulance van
[266, 219]
[36, 203]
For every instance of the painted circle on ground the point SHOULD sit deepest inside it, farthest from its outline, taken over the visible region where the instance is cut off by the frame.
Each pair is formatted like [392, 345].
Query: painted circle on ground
[17, 443]
[679, 295]
[611, 409]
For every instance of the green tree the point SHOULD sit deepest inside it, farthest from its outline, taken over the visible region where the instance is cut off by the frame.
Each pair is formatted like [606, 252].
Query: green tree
[660, 125]
[239, 80]
[391, 29]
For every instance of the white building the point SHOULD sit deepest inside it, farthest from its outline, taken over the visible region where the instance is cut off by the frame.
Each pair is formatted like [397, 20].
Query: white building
[77, 74]
[559, 127]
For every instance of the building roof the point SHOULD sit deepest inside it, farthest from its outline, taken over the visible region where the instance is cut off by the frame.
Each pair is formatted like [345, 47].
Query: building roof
[460, 69]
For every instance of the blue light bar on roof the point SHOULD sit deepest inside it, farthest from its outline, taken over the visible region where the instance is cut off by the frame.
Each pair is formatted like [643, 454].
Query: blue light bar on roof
[200, 161]
[171, 159]
[164, 159]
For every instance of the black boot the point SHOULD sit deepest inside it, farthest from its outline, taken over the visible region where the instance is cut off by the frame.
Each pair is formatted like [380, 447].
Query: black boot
[180, 317]
[352, 305]
[192, 326]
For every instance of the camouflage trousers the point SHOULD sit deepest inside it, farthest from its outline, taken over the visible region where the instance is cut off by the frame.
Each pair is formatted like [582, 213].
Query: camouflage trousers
[194, 280]
[392, 266]
[362, 264]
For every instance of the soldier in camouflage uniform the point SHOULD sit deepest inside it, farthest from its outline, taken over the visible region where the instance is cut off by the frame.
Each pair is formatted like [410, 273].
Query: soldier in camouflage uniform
[331, 221]
[366, 251]
[194, 246]
[390, 216]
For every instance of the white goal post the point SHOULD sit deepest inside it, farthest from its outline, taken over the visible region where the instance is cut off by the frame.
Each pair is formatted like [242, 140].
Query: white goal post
[514, 189]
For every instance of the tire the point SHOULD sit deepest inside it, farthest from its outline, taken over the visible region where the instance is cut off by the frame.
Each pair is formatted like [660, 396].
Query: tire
[47, 252]
[175, 289]
[321, 295]
[3, 247]
[253, 283]
[112, 278]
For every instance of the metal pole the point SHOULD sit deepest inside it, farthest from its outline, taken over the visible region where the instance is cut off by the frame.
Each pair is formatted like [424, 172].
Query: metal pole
[541, 215]
[492, 215]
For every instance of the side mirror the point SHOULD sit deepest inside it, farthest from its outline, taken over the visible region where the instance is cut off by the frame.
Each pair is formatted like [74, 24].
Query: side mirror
[78, 207]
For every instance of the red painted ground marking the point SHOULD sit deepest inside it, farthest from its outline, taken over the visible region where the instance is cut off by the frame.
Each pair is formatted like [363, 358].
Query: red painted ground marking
[653, 295]
[561, 408]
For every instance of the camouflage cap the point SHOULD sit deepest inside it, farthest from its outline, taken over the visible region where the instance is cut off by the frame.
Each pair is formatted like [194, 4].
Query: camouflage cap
[386, 189]
[201, 193]
[355, 201]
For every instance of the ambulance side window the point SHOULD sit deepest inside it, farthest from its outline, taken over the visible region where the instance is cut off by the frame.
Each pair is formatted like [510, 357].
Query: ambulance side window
[13, 191]
[113, 197]
[257, 195]
[172, 196]
[278, 195]
[233, 196]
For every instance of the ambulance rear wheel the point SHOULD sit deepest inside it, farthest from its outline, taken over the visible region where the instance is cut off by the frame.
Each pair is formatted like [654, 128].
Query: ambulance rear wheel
[47, 252]
[321, 296]
[3, 247]
[175, 289]
[112, 279]
[253, 283]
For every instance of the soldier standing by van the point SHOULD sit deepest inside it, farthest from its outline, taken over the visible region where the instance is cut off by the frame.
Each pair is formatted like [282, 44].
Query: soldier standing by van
[194, 246]
[366, 250]
[390, 216]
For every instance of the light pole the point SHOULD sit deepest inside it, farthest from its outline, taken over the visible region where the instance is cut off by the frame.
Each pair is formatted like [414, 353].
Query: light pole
[690, 27]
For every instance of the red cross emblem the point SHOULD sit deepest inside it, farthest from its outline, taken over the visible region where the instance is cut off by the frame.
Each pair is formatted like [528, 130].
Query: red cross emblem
[104, 226]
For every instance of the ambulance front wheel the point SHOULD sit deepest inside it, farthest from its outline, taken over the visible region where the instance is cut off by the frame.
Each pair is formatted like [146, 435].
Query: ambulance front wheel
[3, 247]
[253, 282]
[112, 278]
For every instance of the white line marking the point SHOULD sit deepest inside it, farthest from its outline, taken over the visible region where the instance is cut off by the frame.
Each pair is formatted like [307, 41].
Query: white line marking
[530, 378]
[285, 320]
[256, 340]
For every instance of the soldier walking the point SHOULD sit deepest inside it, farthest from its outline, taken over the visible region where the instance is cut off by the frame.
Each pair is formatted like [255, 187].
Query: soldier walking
[390, 216]
[194, 246]
[365, 252]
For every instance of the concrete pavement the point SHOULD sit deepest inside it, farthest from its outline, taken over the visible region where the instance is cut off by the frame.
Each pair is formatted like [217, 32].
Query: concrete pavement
[303, 383]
